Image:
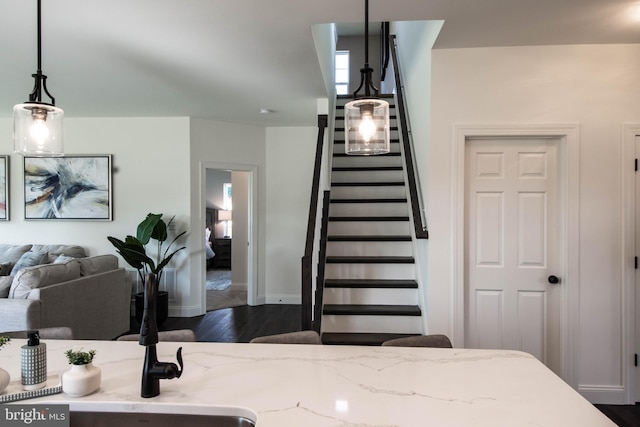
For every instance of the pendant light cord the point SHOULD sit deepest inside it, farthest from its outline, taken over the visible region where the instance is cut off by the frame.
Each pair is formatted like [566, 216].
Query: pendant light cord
[39, 39]
[366, 33]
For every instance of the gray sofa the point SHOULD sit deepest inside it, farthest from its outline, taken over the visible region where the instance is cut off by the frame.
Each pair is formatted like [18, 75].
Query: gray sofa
[57, 285]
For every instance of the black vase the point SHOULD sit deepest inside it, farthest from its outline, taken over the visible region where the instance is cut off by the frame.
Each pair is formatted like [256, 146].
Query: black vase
[162, 306]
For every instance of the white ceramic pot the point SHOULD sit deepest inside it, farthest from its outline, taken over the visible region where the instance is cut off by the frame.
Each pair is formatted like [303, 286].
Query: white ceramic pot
[4, 379]
[81, 380]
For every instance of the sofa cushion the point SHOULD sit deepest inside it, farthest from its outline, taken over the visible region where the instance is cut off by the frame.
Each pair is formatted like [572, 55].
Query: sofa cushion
[5, 285]
[5, 268]
[55, 250]
[97, 264]
[12, 253]
[42, 275]
[29, 259]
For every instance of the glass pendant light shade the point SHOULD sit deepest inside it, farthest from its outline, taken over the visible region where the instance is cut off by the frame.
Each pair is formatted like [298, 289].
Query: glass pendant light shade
[366, 127]
[37, 130]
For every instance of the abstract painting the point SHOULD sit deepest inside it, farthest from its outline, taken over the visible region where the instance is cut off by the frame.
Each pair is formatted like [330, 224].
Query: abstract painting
[4, 188]
[69, 187]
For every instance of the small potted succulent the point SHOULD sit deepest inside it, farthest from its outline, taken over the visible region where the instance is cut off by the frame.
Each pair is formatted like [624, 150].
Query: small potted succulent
[4, 375]
[83, 378]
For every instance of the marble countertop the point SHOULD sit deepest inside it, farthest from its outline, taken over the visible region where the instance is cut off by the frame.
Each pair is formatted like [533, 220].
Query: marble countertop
[307, 385]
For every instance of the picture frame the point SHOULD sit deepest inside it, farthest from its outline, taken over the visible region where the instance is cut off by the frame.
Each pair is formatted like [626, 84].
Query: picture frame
[4, 188]
[76, 187]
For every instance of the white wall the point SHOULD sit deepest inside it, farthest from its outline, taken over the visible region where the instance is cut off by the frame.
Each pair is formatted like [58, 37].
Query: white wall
[414, 41]
[150, 173]
[221, 145]
[240, 242]
[290, 162]
[593, 86]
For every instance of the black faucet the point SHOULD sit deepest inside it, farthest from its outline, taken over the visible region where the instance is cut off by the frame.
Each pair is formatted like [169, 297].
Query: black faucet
[154, 371]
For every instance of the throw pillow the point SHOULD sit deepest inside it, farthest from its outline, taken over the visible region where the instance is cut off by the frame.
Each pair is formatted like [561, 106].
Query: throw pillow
[5, 268]
[61, 259]
[5, 284]
[29, 259]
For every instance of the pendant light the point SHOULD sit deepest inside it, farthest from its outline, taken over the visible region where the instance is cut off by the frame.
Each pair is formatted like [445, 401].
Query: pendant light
[366, 117]
[37, 125]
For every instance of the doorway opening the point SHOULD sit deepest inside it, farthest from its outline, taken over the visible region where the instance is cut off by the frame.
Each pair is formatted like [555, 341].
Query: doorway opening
[229, 265]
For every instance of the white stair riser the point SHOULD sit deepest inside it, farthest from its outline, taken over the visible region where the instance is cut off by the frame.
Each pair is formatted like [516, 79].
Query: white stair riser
[360, 228]
[374, 192]
[367, 176]
[369, 209]
[372, 324]
[370, 271]
[373, 161]
[370, 296]
[369, 248]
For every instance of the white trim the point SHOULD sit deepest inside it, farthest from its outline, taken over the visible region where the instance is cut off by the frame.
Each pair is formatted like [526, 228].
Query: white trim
[628, 230]
[606, 395]
[569, 159]
[284, 299]
[252, 261]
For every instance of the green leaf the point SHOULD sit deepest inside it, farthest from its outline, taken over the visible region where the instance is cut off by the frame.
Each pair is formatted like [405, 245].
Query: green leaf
[146, 228]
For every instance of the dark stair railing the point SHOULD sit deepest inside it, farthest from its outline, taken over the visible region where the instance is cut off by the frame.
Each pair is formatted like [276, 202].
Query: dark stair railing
[307, 259]
[419, 220]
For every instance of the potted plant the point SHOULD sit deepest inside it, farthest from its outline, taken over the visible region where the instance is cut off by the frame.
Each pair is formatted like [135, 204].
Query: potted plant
[4, 375]
[134, 251]
[83, 378]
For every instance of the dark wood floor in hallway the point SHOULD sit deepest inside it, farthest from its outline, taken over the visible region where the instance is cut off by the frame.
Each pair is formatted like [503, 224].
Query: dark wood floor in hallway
[237, 324]
[242, 324]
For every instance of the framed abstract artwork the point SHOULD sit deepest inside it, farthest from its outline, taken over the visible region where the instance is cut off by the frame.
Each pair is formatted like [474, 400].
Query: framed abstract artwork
[68, 188]
[4, 188]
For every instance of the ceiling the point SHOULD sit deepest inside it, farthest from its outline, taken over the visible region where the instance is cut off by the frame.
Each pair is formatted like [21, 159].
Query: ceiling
[227, 59]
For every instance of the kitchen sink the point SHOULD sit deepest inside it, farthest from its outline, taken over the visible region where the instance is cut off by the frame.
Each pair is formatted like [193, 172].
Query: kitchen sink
[158, 415]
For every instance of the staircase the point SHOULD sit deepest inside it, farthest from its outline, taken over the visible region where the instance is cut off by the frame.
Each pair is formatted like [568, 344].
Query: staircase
[370, 292]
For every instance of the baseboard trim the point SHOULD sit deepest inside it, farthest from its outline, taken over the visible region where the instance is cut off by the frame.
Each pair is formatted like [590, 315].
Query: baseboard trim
[283, 299]
[607, 395]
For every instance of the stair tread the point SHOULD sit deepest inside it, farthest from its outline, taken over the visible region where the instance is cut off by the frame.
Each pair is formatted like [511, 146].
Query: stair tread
[369, 218]
[370, 283]
[393, 154]
[370, 260]
[368, 201]
[342, 338]
[366, 168]
[391, 140]
[368, 184]
[372, 310]
[369, 238]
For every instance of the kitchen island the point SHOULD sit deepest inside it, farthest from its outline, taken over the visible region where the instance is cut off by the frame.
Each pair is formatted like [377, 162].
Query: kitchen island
[280, 385]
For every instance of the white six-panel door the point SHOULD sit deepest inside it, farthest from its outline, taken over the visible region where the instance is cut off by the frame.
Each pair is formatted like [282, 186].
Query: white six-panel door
[512, 246]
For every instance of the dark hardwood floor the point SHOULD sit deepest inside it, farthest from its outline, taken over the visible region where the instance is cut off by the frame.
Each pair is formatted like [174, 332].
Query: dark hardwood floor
[237, 324]
[622, 415]
[241, 324]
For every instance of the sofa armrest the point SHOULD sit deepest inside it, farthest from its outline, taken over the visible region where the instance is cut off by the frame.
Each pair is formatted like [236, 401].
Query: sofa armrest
[19, 314]
[94, 307]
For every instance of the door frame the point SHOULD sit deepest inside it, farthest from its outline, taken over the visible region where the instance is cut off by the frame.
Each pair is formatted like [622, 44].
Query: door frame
[568, 187]
[629, 343]
[252, 255]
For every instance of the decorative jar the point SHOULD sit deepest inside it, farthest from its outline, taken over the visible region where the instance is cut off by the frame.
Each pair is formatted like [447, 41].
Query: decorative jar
[4, 379]
[81, 380]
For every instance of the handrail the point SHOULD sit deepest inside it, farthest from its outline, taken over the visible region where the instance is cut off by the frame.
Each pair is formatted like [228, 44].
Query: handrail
[307, 259]
[322, 258]
[419, 221]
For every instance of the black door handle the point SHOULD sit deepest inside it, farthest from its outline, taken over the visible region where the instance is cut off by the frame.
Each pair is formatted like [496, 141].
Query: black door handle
[554, 279]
